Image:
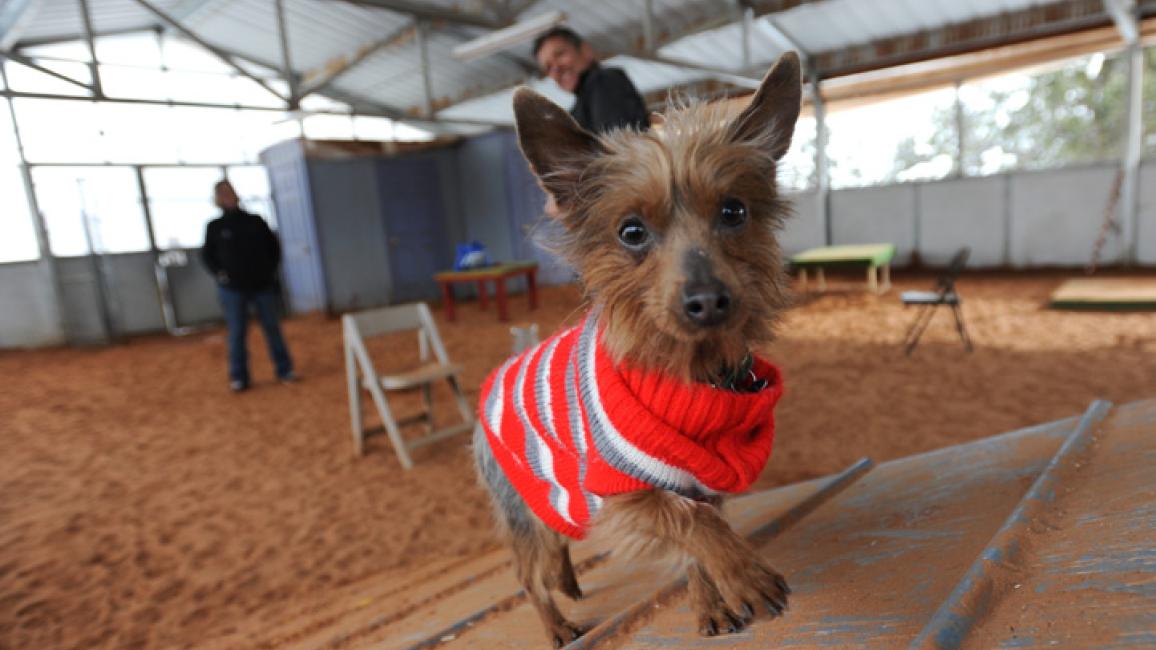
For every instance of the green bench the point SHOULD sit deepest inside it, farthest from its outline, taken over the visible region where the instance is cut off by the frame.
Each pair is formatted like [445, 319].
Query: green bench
[872, 256]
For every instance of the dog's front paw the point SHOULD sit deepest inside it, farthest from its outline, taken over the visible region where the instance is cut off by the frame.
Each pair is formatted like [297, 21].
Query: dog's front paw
[563, 632]
[755, 586]
[714, 618]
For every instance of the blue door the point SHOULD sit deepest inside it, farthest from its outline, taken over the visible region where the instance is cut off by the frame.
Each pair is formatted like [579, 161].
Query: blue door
[300, 255]
[415, 226]
[527, 219]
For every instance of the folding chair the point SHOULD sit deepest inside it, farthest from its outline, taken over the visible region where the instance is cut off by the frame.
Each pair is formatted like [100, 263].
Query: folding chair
[361, 374]
[943, 294]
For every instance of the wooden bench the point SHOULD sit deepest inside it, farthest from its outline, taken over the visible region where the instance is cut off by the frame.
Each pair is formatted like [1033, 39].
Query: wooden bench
[498, 274]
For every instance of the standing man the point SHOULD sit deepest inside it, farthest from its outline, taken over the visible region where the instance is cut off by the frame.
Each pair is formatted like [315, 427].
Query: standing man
[606, 98]
[242, 254]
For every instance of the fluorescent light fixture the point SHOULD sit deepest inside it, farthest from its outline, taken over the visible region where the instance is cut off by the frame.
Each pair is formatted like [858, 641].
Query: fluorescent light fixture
[506, 37]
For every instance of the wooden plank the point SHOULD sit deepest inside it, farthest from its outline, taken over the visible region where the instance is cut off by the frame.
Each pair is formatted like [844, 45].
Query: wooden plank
[1106, 293]
[870, 567]
[1088, 577]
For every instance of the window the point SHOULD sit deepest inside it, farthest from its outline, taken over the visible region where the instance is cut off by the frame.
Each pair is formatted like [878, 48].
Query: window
[906, 139]
[797, 168]
[25, 79]
[181, 204]
[1149, 101]
[17, 231]
[328, 127]
[1063, 113]
[18, 242]
[97, 205]
[252, 185]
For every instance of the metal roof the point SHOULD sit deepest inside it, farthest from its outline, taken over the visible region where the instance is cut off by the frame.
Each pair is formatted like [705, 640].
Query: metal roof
[706, 36]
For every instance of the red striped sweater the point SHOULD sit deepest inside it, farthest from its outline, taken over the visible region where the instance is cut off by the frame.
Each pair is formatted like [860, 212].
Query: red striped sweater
[568, 427]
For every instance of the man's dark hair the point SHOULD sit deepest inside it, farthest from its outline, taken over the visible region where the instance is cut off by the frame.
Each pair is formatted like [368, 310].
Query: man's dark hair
[222, 183]
[570, 35]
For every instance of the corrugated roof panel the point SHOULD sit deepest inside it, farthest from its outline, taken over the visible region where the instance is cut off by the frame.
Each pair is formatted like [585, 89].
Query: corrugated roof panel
[834, 24]
[62, 19]
[322, 32]
[498, 107]
[318, 32]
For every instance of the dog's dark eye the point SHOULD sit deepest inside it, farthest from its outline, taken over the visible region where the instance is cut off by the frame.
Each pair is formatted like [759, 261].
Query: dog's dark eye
[732, 213]
[633, 234]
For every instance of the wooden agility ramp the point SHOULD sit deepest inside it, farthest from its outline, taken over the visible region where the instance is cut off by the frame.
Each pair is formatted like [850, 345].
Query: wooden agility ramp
[1106, 294]
[1043, 537]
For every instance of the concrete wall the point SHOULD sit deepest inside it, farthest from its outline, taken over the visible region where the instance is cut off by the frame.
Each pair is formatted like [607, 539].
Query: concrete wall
[194, 293]
[803, 229]
[1056, 215]
[963, 212]
[876, 214]
[1022, 219]
[28, 311]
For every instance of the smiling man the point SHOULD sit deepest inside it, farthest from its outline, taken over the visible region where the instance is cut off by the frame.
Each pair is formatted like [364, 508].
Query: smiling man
[606, 99]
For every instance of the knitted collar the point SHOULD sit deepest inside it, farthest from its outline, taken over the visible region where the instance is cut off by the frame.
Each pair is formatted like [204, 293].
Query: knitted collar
[688, 437]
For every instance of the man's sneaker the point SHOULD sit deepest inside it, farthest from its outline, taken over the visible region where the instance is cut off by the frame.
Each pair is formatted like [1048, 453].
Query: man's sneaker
[238, 386]
[288, 378]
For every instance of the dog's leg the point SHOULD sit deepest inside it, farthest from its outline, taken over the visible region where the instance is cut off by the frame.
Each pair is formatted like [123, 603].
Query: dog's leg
[541, 557]
[729, 582]
[567, 581]
[536, 559]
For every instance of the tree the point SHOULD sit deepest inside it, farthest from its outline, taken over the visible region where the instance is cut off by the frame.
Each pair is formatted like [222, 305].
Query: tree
[1075, 113]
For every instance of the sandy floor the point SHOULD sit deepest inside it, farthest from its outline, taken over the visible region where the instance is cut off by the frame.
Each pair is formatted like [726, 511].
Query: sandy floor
[142, 505]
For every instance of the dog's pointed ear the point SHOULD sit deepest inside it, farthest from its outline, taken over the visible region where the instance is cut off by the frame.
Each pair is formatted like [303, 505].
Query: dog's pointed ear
[770, 118]
[557, 149]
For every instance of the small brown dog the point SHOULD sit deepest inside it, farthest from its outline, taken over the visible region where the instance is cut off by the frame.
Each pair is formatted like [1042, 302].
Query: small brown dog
[638, 420]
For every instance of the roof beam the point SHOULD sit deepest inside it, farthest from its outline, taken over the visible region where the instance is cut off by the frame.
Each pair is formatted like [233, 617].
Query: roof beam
[1003, 29]
[216, 51]
[1123, 13]
[433, 12]
[359, 104]
[14, 17]
[29, 63]
[780, 37]
[73, 37]
[759, 8]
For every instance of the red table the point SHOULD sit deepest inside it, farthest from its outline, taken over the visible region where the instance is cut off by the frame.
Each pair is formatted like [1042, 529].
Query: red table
[498, 273]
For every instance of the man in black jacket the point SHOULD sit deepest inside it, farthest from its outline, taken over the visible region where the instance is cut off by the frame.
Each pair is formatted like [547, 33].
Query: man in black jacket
[242, 254]
[606, 99]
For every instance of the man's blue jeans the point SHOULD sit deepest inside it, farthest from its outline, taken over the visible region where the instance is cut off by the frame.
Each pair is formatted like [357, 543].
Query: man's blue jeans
[236, 307]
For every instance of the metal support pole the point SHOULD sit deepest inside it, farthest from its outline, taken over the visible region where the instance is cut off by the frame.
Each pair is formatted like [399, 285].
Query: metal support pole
[747, 28]
[822, 168]
[423, 53]
[1129, 213]
[98, 266]
[286, 63]
[648, 26]
[960, 132]
[94, 64]
[47, 261]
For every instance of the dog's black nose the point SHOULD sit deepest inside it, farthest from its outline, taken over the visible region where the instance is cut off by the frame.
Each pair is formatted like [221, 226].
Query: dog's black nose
[706, 304]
